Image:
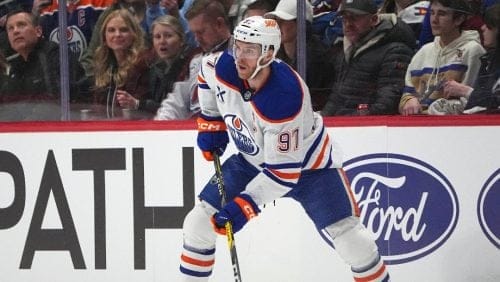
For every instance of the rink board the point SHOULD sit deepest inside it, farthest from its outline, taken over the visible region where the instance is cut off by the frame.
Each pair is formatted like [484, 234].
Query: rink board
[105, 202]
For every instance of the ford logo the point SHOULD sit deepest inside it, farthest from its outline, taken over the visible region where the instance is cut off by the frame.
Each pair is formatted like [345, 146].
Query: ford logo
[487, 208]
[409, 205]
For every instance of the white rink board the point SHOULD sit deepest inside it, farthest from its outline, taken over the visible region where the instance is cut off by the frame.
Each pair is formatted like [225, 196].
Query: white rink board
[280, 245]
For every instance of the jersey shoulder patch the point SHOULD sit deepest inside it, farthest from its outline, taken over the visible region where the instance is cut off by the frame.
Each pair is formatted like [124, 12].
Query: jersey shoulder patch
[282, 96]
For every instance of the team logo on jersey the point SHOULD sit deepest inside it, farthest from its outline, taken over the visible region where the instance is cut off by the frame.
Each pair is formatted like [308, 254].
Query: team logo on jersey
[76, 39]
[241, 135]
[409, 205]
[487, 207]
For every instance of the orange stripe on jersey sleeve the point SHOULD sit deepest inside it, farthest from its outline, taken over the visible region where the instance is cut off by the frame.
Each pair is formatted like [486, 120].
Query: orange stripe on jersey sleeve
[285, 175]
[201, 79]
[197, 261]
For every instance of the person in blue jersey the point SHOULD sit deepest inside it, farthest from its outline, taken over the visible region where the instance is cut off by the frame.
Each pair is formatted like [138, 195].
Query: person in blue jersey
[284, 150]
[82, 16]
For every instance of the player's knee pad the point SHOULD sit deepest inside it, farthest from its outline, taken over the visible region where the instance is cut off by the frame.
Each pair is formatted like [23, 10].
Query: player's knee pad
[353, 242]
[198, 232]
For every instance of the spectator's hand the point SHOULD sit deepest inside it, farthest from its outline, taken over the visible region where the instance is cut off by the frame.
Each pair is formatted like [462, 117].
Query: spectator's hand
[411, 107]
[126, 100]
[451, 89]
[239, 211]
[172, 6]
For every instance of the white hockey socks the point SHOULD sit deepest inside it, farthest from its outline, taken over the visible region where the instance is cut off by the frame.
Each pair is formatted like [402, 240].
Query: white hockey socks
[197, 263]
[356, 247]
[198, 255]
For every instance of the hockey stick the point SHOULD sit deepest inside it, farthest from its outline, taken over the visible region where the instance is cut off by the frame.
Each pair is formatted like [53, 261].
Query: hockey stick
[229, 226]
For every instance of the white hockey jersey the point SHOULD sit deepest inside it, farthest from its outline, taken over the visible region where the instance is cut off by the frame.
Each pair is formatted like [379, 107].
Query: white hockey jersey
[275, 128]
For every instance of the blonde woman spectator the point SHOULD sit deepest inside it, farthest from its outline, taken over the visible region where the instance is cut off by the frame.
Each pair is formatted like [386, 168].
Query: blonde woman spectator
[169, 72]
[120, 66]
[136, 7]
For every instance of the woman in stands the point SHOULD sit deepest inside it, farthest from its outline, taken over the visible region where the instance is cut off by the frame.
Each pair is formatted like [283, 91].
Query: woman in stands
[121, 66]
[170, 69]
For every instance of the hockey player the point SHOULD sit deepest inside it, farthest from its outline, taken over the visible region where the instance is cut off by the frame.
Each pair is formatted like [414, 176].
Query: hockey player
[284, 151]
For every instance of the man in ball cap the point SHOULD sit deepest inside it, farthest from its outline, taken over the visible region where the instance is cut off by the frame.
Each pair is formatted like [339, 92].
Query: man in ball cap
[370, 63]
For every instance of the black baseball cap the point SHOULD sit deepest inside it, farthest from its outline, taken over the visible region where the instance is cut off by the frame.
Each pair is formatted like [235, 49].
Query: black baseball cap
[358, 7]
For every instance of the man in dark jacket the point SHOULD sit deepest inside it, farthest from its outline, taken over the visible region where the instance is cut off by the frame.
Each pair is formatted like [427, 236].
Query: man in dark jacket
[371, 62]
[32, 89]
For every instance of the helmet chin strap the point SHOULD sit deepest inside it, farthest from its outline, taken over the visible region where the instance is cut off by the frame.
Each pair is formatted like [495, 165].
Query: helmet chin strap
[259, 67]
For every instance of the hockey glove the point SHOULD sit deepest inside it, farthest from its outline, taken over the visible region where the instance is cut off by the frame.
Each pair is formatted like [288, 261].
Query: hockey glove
[239, 211]
[212, 136]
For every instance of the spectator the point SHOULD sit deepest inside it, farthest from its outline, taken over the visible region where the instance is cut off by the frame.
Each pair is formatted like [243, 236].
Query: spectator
[324, 6]
[121, 65]
[259, 8]
[370, 63]
[32, 89]
[474, 20]
[412, 12]
[38, 5]
[317, 57]
[209, 24]
[454, 55]
[235, 10]
[81, 20]
[136, 7]
[328, 27]
[170, 71]
[485, 95]
[157, 8]
[24, 5]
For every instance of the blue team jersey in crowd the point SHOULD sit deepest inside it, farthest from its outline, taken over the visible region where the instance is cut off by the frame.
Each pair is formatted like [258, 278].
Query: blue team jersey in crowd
[81, 20]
